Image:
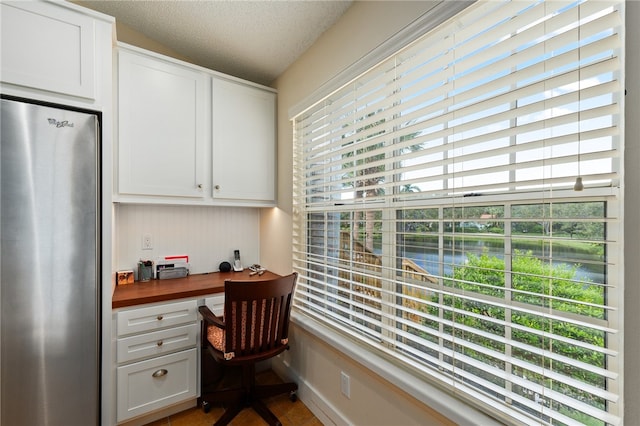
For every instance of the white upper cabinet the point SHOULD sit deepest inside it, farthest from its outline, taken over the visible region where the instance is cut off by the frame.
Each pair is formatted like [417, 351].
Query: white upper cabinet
[161, 127]
[243, 133]
[188, 135]
[49, 47]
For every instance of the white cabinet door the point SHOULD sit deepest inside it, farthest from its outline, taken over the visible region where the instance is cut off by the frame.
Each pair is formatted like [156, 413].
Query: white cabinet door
[162, 127]
[244, 135]
[48, 47]
[156, 383]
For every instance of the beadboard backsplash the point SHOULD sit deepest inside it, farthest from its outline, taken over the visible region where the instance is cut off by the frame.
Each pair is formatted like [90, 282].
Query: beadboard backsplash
[208, 235]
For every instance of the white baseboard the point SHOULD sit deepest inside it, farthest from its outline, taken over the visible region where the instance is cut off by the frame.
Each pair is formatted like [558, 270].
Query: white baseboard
[325, 412]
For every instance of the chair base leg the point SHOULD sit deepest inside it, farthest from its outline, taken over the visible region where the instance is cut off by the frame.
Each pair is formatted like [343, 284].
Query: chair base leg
[229, 414]
[247, 395]
[265, 413]
[257, 405]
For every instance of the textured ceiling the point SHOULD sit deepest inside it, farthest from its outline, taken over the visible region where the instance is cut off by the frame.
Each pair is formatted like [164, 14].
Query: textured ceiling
[254, 40]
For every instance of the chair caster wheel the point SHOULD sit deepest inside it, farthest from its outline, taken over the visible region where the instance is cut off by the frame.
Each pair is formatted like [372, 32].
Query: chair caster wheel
[206, 407]
[293, 396]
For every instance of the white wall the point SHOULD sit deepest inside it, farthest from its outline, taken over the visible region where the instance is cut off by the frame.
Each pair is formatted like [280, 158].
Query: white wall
[207, 234]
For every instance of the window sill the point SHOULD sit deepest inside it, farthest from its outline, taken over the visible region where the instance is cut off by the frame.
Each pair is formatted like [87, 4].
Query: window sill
[432, 396]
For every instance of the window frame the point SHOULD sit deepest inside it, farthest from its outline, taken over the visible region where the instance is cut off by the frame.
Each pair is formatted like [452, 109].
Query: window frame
[600, 194]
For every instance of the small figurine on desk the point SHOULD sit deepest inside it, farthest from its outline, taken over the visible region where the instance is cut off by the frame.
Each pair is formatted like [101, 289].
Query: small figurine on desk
[256, 269]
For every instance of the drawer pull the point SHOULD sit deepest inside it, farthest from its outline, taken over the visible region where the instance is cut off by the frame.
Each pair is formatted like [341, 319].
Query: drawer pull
[159, 343]
[160, 373]
[159, 317]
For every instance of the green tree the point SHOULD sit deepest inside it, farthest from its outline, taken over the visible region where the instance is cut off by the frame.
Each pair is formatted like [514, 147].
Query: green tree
[534, 281]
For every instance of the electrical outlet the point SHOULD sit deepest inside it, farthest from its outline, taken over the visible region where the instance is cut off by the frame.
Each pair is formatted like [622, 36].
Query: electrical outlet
[147, 242]
[345, 384]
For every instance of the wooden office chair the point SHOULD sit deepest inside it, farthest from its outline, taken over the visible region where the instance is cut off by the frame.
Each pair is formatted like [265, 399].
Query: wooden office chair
[254, 328]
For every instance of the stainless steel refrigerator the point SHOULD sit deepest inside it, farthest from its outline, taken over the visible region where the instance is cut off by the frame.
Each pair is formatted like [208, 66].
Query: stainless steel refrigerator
[50, 266]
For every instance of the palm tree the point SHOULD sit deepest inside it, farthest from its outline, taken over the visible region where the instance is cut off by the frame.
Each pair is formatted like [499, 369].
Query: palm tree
[409, 188]
[367, 180]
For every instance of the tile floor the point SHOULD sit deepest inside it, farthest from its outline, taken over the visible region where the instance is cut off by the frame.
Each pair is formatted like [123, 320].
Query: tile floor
[289, 413]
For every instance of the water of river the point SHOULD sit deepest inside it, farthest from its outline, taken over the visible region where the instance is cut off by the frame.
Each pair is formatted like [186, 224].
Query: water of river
[431, 262]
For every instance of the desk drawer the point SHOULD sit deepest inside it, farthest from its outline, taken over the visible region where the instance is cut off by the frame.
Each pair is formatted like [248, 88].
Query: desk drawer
[215, 304]
[156, 383]
[156, 317]
[157, 343]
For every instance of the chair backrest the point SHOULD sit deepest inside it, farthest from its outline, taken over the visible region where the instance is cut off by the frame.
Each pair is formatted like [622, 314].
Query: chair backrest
[256, 315]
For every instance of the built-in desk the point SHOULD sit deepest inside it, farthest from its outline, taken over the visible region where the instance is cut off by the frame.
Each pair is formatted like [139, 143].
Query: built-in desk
[153, 291]
[156, 334]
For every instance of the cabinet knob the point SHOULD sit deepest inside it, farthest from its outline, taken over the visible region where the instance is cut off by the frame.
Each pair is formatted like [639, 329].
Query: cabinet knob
[217, 186]
[159, 317]
[159, 373]
[160, 342]
[199, 186]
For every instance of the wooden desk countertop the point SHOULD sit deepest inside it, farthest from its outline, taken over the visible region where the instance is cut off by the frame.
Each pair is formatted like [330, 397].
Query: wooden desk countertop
[152, 291]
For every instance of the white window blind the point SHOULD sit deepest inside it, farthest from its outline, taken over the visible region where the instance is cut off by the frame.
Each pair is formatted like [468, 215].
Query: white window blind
[436, 219]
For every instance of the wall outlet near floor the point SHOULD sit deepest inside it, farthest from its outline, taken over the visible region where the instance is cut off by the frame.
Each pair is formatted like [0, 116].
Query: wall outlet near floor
[345, 384]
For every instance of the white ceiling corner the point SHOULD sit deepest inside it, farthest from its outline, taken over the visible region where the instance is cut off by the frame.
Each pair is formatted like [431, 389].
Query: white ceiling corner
[255, 39]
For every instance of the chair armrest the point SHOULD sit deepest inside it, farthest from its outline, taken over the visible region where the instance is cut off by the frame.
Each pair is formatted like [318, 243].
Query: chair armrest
[210, 318]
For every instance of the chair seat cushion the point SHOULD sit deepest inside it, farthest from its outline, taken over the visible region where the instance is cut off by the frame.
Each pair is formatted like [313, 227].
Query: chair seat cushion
[215, 336]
